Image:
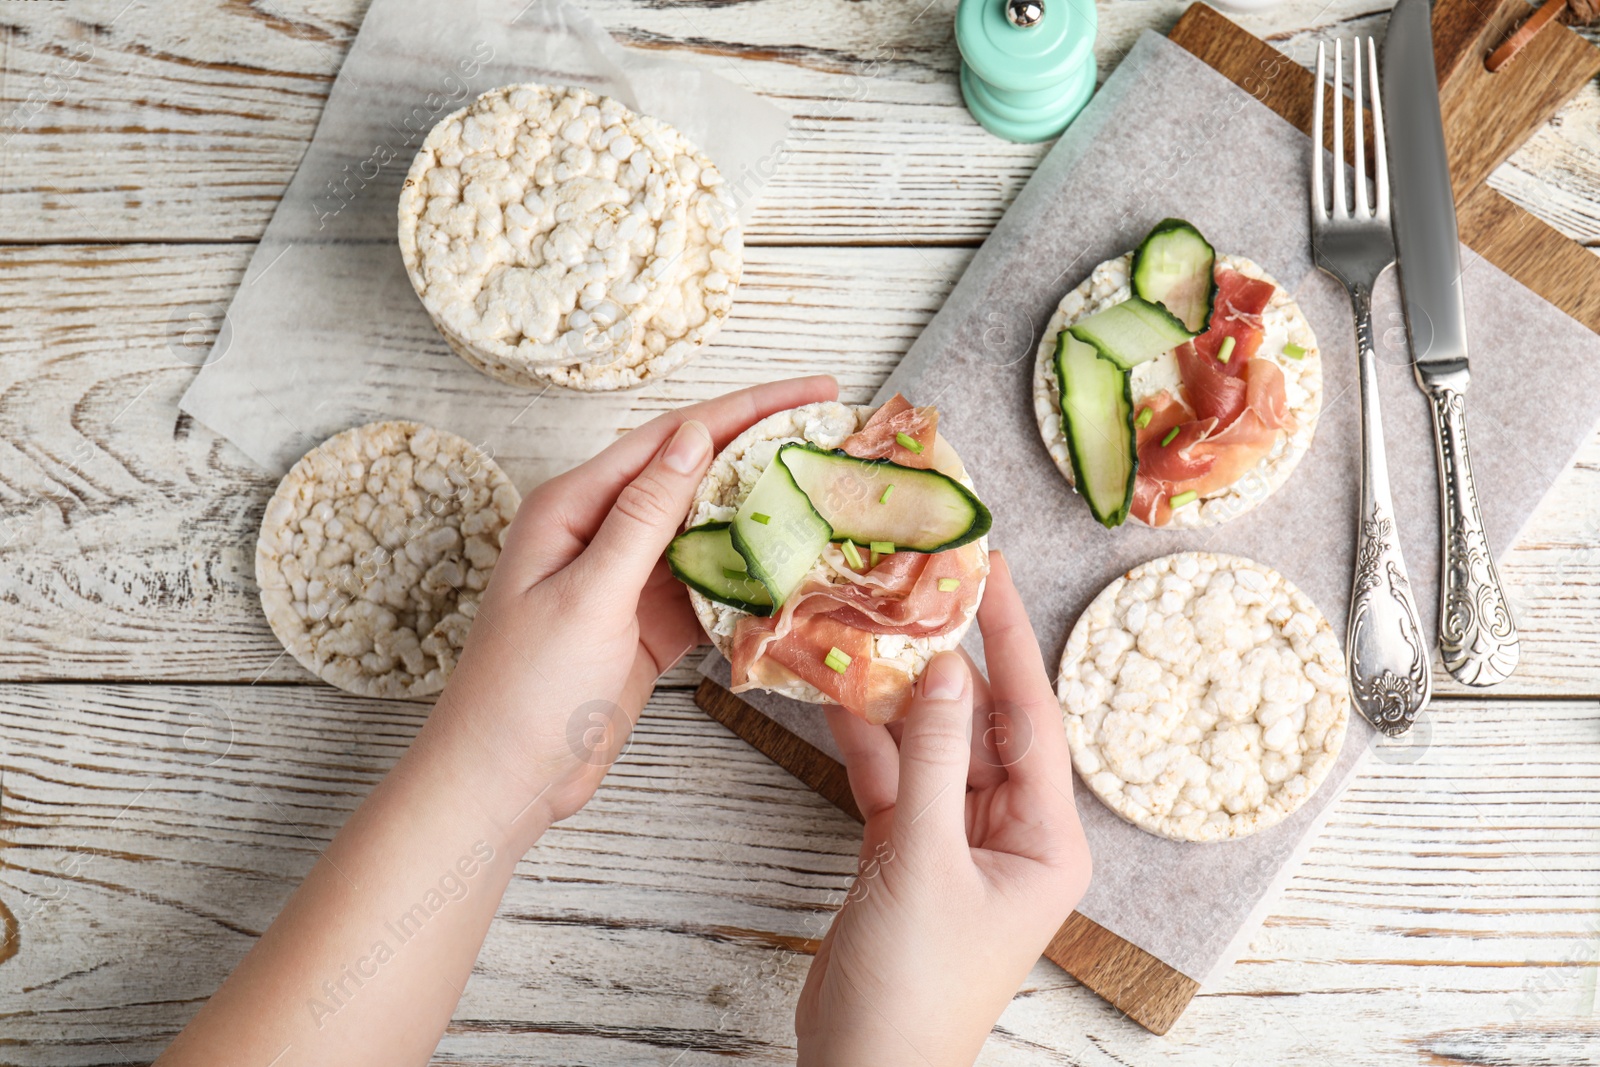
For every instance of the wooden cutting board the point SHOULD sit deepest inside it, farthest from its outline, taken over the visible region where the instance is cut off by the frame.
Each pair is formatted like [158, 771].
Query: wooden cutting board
[1487, 117]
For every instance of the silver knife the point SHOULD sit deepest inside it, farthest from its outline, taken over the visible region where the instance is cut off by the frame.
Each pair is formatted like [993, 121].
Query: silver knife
[1477, 635]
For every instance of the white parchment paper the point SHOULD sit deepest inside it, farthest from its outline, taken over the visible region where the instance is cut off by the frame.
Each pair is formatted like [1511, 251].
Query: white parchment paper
[1167, 135]
[325, 332]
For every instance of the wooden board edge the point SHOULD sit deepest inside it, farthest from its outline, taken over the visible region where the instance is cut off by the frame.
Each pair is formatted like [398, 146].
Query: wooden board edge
[1138, 984]
[1133, 981]
[1262, 71]
[825, 775]
[1249, 62]
[1532, 251]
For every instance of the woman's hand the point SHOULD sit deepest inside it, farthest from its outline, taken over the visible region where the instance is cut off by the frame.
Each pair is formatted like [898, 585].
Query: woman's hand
[582, 615]
[364, 965]
[973, 857]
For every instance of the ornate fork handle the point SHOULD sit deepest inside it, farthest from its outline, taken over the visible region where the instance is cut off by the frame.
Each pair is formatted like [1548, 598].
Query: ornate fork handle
[1389, 676]
[1477, 634]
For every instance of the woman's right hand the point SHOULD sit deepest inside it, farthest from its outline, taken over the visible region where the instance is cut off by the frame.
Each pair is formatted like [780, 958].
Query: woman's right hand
[973, 857]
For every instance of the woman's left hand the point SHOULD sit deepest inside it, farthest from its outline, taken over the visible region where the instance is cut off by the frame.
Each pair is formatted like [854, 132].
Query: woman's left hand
[582, 615]
[366, 961]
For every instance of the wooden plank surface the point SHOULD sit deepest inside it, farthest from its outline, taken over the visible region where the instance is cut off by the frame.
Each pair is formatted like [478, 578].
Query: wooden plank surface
[120, 125]
[1446, 916]
[1449, 915]
[821, 773]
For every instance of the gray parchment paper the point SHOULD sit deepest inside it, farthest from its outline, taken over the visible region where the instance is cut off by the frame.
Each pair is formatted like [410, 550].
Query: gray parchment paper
[1167, 135]
[325, 331]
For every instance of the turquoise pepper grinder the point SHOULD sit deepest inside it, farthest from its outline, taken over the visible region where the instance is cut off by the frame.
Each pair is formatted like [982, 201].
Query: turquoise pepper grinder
[1027, 66]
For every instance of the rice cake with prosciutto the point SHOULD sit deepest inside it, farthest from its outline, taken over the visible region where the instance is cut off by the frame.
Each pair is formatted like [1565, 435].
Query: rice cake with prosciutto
[1265, 401]
[889, 618]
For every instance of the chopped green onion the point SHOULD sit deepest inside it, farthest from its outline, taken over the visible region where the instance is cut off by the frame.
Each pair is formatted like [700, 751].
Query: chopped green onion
[1167, 440]
[852, 555]
[735, 576]
[1225, 353]
[884, 499]
[882, 548]
[836, 660]
[1294, 351]
[1144, 417]
[758, 517]
[1182, 498]
[909, 443]
[949, 585]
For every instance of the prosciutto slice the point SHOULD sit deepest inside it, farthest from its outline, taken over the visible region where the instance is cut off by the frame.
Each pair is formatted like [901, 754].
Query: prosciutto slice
[901, 595]
[1180, 458]
[880, 437]
[907, 599]
[1230, 451]
[1208, 388]
[1230, 414]
[1237, 314]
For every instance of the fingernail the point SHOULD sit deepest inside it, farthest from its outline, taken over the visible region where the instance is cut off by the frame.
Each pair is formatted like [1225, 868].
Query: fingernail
[945, 677]
[688, 448]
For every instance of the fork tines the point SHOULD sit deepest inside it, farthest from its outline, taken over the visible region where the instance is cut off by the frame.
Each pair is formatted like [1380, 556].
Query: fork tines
[1364, 209]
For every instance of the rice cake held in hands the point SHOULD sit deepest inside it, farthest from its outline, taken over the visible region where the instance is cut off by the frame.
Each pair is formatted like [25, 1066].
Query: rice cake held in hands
[1204, 697]
[374, 552]
[557, 237]
[863, 619]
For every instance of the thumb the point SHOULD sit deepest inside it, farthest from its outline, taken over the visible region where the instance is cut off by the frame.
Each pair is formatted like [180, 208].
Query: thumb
[935, 754]
[647, 513]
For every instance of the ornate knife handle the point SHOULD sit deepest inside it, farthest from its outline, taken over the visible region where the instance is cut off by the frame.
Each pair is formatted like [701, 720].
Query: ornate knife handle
[1389, 676]
[1477, 635]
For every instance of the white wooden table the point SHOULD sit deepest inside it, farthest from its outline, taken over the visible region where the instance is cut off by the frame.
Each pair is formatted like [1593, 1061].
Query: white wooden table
[168, 777]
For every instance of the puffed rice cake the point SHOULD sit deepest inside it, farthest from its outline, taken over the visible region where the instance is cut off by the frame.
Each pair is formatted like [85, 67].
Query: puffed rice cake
[1204, 697]
[1284, 323]
[374, 552]
[556, 237]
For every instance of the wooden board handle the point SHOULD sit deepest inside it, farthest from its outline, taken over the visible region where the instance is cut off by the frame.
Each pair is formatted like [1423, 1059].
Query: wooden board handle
[1489, 114]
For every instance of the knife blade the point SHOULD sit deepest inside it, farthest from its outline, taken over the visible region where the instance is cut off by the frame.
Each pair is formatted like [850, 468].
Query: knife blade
[1477, 635]
[1426, 241]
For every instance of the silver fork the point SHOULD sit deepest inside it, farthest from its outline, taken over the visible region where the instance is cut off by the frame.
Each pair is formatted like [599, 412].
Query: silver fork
[1390, 679]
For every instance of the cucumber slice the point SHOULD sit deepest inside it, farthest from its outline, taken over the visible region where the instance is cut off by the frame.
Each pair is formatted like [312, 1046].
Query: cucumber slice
[926, 511]
[705, 560]
[1175, 268]
[1132, 332]
[778, 532]
[1096, 418]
